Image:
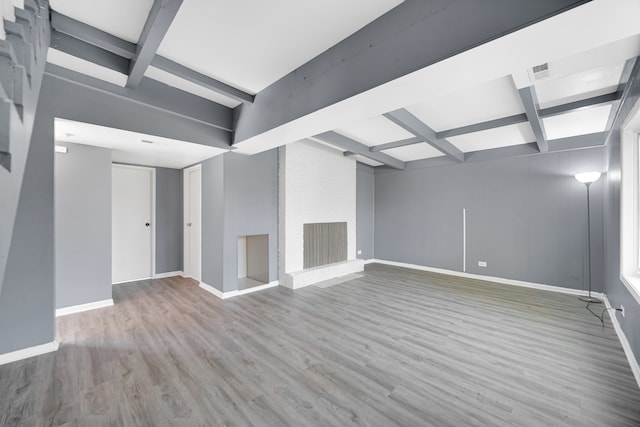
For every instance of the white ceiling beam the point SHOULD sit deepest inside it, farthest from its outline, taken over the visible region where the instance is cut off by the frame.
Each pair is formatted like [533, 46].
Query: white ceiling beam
[411, 123]
[160, 18]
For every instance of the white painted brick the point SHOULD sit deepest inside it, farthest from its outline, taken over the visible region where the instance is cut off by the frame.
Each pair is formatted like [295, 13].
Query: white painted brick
[317, 184]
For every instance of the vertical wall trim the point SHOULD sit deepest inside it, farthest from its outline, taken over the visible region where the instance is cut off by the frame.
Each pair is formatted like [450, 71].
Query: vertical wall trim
[464, 240]
[186, 200]
[153, 222]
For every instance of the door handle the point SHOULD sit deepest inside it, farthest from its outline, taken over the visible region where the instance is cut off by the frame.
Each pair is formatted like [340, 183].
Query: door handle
[146, 224]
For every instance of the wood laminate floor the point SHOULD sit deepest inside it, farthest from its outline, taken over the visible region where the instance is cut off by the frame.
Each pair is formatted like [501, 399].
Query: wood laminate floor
[394, 347]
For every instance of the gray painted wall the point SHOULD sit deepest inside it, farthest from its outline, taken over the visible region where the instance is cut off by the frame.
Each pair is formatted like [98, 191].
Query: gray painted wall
[169, 213]
[365, 208]
[17, 129]
[86, 104]
[616, 291]
[526, 217]
[27, 300]
[212, 221]
[82, 225]
[28, 287]
[251, 208]
[239, 198]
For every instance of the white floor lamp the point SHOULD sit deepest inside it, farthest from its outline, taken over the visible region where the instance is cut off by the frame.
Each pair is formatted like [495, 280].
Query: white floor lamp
[587, 179]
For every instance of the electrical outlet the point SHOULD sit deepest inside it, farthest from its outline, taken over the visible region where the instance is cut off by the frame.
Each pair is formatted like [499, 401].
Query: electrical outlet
[482, 263]
[359, 252]
[622, 310]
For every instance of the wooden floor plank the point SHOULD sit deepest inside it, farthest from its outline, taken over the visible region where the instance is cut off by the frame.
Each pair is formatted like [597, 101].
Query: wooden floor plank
[392, 346]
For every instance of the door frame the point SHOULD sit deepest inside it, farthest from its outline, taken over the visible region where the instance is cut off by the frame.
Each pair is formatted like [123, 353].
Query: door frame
[185, 209]
[153, 213]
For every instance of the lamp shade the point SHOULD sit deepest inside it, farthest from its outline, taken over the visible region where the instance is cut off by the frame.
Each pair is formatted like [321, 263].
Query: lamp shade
[588, 177]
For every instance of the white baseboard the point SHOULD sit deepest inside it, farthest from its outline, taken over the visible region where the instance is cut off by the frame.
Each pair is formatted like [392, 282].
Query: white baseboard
[501, 280]
[218, 293]
[231, 294]
[26, 353]
[633, 361]
[369, 261]
[83, 307]
[131, 281]
[259, 288]
[168, 274]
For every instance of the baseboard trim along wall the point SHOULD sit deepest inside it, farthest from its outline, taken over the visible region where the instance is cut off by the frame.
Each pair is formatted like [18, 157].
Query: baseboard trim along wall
[131, 281]
[633, 361]
[72, 309]
[168, 274]
[501, 280]
[231, 294]
[26, 353]
[259, 288]
[628, 351]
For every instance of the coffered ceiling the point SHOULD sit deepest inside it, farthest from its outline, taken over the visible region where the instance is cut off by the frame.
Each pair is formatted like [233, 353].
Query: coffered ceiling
[488, 97]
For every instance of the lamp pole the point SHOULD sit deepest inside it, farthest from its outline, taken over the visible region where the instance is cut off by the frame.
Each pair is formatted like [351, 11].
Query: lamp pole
[587, 179]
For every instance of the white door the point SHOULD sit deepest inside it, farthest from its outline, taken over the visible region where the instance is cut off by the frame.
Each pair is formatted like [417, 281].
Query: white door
[192, 219]
[132, 227]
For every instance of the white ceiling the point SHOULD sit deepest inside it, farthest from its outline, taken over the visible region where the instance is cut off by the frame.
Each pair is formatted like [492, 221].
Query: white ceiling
[130, 147]
[582, 85]
[581, 122]
[250, 44]
[487, 101]
[122, 18]
[375, 131]
[413, 152]
[253, 43]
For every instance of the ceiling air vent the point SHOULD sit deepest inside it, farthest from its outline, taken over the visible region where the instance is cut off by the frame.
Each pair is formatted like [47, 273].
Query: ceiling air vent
[540, 72]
